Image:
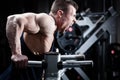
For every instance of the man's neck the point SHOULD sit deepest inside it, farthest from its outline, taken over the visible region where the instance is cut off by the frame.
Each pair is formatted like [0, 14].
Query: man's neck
[53, 16]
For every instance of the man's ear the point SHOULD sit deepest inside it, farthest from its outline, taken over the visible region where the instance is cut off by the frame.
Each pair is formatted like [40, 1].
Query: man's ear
[60, 13]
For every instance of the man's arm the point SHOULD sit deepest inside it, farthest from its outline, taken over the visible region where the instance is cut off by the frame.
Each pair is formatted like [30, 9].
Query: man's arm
[14, 29]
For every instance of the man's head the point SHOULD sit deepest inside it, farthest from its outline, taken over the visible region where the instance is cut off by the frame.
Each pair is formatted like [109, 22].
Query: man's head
[62, 5]
[64, 12]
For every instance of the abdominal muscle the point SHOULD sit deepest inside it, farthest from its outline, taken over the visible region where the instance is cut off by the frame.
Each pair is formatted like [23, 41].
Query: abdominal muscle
[37, 43]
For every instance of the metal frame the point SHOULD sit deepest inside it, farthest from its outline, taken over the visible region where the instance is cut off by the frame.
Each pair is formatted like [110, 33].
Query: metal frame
[55, 65]
[106, 26]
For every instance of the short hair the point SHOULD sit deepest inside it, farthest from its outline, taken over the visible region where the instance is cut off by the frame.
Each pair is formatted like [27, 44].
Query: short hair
[63, 5]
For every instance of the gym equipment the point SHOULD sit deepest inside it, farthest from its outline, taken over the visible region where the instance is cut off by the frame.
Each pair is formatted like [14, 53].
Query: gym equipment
[55, 65]
[94, 34]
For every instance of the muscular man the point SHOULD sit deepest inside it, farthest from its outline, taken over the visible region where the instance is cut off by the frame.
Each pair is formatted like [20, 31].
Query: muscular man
[37, 30]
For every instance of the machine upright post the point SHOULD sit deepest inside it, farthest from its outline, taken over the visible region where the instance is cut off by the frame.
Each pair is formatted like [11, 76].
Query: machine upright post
[52, 72]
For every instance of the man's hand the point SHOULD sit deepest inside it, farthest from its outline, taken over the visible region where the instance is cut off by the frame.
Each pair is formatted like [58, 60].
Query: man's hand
[20, 61]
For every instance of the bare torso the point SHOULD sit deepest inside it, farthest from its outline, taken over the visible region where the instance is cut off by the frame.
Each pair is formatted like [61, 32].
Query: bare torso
[40, 37]
[41, 41]
[38, 43]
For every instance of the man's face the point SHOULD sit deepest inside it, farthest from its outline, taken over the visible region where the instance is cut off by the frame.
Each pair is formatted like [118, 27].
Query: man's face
[68, 18]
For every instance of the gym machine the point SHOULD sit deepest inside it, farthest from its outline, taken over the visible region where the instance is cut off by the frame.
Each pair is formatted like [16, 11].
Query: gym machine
[55, 65]
[94, 32]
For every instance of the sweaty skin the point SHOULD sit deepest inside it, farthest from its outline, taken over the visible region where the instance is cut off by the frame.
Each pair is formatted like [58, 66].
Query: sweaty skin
[38, 31]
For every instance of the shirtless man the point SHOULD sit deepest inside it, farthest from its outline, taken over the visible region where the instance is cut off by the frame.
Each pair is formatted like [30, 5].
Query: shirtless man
[38, 29]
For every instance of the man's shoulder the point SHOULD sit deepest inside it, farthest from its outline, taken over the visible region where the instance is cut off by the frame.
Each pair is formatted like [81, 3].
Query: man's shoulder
[44, 17]
[21, 15]
[30, 14]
